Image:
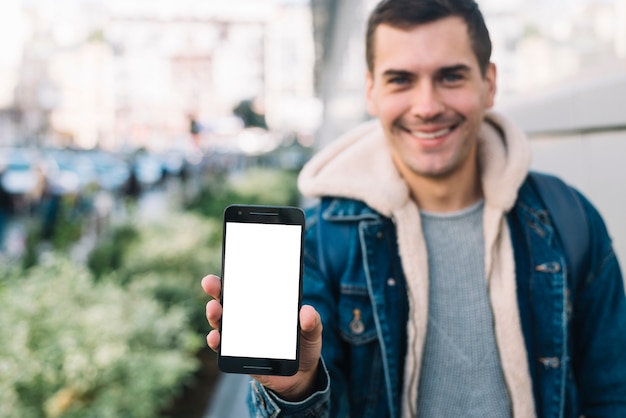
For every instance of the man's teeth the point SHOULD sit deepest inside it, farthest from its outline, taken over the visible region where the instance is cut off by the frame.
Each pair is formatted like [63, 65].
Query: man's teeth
[431, 135]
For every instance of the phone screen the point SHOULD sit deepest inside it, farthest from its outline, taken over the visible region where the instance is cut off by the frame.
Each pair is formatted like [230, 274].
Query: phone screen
[261, 280]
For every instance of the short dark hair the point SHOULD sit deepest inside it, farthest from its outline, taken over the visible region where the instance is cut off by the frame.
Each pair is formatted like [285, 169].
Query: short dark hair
[405, 14]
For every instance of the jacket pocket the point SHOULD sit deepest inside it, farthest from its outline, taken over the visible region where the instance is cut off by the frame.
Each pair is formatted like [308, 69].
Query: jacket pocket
[364, 361]
[356, 319]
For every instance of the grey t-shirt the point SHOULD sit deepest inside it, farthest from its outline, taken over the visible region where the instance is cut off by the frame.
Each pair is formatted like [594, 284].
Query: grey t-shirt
[461, 374]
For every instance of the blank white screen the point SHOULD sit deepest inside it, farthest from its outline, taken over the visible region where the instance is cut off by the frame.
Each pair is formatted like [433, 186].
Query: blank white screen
[260, 294]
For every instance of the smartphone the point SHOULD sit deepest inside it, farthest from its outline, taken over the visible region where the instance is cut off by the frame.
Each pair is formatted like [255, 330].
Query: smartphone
[262, 249]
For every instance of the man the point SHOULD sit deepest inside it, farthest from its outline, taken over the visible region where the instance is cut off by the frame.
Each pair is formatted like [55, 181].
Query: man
[430, 259]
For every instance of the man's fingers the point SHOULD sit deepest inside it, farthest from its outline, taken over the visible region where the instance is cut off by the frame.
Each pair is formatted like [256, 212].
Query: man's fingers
[213, 340]
[214, 313]
[212, 285]
[310, 322]
[310, 338]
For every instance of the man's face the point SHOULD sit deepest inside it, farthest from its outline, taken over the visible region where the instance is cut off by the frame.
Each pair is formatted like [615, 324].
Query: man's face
[430, 96]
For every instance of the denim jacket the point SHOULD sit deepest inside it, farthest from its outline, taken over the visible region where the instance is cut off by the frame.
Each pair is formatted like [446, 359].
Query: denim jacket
[574, 328]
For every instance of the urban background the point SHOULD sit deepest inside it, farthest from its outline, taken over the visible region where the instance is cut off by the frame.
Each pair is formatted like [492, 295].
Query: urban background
[126, 126]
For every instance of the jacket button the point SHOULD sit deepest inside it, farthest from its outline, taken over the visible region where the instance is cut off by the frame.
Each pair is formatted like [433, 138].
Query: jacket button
[391, 281]
[552, 267]
[379, 234]
[550, 362]
[356, 325]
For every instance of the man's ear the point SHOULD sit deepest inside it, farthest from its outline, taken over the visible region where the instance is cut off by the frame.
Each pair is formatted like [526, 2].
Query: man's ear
[369, 91]
[490, 85]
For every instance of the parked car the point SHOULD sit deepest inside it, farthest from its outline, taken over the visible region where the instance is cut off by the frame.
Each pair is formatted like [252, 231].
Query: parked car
[148, 168]
[69, 172]
[112, 171]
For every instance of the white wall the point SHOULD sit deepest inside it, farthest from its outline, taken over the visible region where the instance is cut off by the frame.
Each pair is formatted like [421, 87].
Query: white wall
[596, 165]
[578, 132]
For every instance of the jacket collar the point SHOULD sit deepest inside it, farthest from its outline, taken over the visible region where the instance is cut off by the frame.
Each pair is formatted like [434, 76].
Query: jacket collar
[340, 209]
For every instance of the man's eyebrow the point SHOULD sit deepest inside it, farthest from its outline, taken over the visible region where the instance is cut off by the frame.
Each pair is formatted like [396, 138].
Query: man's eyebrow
[397, 73]
[445, 70]
[455, 68]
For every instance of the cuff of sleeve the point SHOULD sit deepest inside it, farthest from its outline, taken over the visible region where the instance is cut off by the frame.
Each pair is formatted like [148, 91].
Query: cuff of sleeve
[266, 403]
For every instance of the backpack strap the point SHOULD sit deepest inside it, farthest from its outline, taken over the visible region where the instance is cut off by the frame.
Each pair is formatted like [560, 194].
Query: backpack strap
[568, 216]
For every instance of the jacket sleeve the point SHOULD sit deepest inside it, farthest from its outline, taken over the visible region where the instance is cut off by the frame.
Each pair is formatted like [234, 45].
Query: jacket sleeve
[263, 403]
[599, 328]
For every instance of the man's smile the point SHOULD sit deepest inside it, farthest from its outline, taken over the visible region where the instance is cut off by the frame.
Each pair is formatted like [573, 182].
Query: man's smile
[432, 130]
[432, 135]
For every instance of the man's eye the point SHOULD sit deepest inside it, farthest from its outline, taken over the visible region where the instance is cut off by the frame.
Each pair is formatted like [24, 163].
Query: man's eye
[451, 78]
[399, 80]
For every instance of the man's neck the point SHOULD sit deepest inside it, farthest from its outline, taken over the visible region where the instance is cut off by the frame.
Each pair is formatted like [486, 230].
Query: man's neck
[448, 193]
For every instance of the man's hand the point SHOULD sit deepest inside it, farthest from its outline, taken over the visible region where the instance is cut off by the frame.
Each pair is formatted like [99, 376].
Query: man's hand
[289, 388]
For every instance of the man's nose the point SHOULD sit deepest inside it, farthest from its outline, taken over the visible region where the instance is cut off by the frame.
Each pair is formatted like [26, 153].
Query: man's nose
[426, 102]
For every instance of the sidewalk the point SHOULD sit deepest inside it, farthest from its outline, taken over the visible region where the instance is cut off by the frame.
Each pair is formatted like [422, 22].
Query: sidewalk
[229, 399]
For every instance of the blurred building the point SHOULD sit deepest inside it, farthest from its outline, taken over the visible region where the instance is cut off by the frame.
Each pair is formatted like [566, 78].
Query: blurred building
[82, 108]
[194, 65]
[11, 47]
[538, 44]
[133, 73]
[290, 96]
[10, 59]
[339, 27]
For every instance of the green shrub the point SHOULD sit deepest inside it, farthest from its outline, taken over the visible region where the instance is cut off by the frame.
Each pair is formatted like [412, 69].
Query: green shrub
[73, 347]
[60, 223]
[120, 339]
[185, 244]
[108, 255]
[164, 260]
[267, 187]
[257, 186]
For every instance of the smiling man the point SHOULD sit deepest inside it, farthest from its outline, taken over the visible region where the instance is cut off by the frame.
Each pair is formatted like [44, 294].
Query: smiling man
[429, 92]
[436, 282]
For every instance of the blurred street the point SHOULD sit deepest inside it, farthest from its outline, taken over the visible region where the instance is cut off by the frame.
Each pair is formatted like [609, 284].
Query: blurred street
[100, 209]
[229, 399]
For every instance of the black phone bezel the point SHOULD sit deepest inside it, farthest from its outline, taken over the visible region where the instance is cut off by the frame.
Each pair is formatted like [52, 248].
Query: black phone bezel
[286, 215]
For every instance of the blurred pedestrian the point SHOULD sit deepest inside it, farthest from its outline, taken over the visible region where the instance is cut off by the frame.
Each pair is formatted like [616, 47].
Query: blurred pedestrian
[132, 189]
[5, 208]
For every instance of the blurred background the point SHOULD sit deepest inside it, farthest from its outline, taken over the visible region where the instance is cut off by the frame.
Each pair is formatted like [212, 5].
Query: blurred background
[126, 126]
